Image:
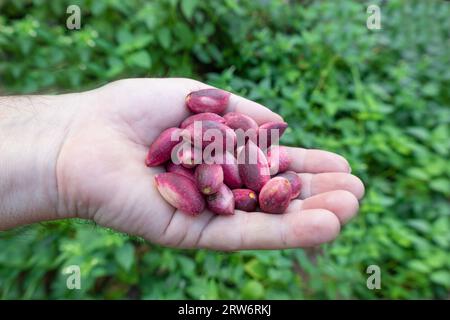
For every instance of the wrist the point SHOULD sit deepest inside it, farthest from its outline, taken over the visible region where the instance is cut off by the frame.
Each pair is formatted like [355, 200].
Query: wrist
[32, 131]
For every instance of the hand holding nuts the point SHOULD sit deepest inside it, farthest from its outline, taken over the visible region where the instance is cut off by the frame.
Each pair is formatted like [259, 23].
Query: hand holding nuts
[225, 167]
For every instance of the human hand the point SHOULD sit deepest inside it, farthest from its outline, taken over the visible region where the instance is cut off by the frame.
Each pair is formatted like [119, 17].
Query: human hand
[101, 139]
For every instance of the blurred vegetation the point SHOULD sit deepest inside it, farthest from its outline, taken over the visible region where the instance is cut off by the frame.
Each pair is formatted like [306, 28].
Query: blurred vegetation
[379, 97]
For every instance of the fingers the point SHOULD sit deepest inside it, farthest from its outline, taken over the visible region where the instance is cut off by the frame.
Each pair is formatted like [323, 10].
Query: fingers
[183, 230]
[316, 161]
[253, 109]
[258, 230]
[306, 223]
[342, 203]
[313, 184]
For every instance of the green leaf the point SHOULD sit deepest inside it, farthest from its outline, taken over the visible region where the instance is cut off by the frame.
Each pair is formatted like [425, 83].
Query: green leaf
[252, 290]
[442, 278]
[419, 266]
[420, 225]
[140, 59]
[125, 256]
[188, 7]
[124, 35]
[441, 185]
[164, 37]
[255, 269]
[418, 173]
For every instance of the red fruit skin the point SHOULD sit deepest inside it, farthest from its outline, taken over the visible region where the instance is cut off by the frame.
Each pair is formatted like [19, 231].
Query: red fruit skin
[197, 136]
[207, 116]
[209, 178]
[221, 202]
[187, 158]
[230, 169]
[265, 133]
[294, 180]
[275, 195]
[160, 150]
[236, 120]
[279, 159]
[180, 192]
[245, 200]
[184, 154]
[254, 174]
[179, 169]
[245, 127]
[208, 100]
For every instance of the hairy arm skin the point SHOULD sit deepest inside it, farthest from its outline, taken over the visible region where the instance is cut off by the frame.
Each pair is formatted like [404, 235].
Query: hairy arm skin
[32, 131]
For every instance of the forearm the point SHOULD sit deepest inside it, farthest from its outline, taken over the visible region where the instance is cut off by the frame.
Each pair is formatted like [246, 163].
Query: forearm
[32, 130]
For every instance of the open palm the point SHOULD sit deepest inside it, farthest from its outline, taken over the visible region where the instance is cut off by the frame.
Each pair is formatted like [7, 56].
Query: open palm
[102, 176]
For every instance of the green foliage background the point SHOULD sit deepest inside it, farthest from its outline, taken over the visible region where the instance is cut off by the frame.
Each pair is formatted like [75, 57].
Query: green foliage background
[381, 98]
